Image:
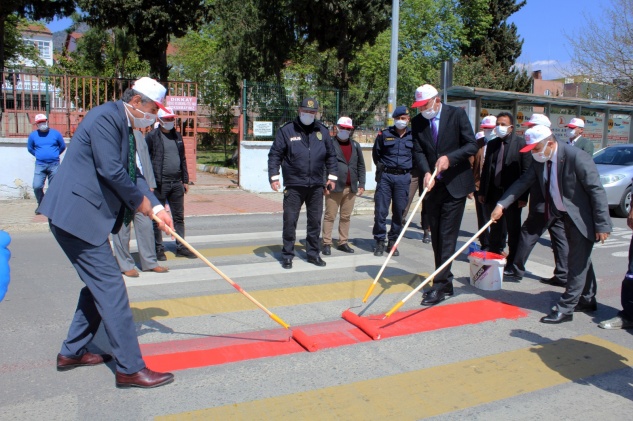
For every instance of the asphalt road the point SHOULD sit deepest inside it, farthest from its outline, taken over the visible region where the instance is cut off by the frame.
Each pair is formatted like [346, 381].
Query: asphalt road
[501, 369]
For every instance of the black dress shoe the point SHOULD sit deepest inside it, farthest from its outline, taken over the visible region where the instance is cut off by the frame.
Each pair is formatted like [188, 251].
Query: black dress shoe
[160, 256]
[390, 245]
[316, 261]
[556, 317]
[327, 250]
[435, 296]
[345, 247]
[183, 252]
[427, 237]
[511, 275]
[286, 263]
[553, 281]
[586, 307]
[380, 248]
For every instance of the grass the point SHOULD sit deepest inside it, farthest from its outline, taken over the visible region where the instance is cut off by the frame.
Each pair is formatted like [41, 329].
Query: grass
[213, 158]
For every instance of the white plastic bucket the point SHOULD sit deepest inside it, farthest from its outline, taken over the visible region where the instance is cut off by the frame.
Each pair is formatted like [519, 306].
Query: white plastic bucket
[486, 270]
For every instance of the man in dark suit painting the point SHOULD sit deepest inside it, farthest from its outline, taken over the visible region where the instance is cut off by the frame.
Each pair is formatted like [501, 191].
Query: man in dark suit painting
[97, 189]
[572, 190]
[443, 139]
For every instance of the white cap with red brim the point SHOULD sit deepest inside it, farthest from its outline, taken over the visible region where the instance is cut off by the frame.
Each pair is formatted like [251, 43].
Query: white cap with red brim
[345, 122]
[536, 119]
[423, 94]
[534, 136]
[575, 122]
[151, 89]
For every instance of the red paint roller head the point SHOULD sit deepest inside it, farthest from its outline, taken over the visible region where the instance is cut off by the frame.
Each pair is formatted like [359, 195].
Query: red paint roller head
[304, 340]
[363, 324]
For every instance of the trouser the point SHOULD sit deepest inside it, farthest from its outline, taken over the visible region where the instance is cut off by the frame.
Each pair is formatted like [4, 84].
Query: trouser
[484, 238]
[581, 279]
[294, 198]
[445, 216]
[144, 239]
[531, 230]
[627, 288]
[103, 299]
[345, 202]
[510, 225]
[419, 187]
[174, 193]
[390, 187]
[42, 172]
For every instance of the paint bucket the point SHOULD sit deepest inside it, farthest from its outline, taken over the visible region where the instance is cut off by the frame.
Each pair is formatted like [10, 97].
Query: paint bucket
[486, 270]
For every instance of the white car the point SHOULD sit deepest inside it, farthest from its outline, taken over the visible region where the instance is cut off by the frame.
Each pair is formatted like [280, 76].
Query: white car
[615, 166]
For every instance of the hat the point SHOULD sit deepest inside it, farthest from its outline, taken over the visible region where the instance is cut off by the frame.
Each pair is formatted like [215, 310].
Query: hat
[535, 135]
[151, 89]
[575, 122]
[166, 112]
[423, 94]
[479, 135]
[310, 104]
[488, 122]
[40, 118]
[540, 119]
[345, 122]
[400, 110]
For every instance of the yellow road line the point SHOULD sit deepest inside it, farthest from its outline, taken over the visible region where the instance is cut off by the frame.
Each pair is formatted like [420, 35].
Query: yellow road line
[265, 250]
[225, 303]
[438, 390]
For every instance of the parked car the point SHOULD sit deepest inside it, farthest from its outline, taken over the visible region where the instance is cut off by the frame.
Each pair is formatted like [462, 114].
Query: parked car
[615, 166]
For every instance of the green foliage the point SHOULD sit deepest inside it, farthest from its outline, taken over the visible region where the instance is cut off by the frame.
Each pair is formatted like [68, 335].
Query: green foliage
[15, 47]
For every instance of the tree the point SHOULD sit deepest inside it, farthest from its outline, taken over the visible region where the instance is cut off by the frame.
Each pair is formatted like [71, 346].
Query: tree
[33, 9]
[603, 50]
[15, 47]
[153, 23]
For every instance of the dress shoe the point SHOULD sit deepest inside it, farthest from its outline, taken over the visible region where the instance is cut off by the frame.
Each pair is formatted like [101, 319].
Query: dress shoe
[132, 273]
[145, 378]
[618, 322]
[158, 269]
[317, 261]
[286, 263]
[86, 360]
[553, 281]
[390, 245]
[345, 247]
[511, 275]
[435, 296]
[183, 252]
[556, 317]
[327, 249]
[427, 237]
[160, 256]
[379, 248]
[586, 307]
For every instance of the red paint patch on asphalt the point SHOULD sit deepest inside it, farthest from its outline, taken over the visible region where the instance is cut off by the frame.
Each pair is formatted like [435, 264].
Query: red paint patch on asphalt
[222, 349]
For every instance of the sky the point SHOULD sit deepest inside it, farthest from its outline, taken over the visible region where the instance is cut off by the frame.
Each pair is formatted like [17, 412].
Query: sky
[543, 25]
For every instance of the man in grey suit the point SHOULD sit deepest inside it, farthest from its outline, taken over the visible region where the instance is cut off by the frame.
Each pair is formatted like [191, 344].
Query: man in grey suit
[573, 192]
[576, 128]
[97, 189]
[142, 225]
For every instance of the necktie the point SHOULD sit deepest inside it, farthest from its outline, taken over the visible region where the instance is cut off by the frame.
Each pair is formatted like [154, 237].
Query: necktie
[131, 169]
[434, 130]
[548, 195]
[499, 164]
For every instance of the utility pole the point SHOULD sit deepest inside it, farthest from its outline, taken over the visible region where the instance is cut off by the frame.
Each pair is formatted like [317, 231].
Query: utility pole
[393, 61]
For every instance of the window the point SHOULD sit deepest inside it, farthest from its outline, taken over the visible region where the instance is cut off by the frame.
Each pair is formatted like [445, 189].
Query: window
[44, 47]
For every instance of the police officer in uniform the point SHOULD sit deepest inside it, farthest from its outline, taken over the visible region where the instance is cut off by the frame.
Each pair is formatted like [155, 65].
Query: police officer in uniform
[392, 155]
[303, 148]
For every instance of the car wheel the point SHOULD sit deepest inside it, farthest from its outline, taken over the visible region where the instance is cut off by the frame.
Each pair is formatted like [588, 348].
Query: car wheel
[625, 204]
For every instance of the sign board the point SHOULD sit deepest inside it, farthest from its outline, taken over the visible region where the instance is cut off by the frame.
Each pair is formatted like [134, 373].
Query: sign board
[182, 103]
[263, 128]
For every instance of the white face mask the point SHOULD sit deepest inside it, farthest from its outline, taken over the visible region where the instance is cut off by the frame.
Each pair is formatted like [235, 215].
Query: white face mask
[430, 112]
[140, 123]
[167, 125]
[400, 124]
[502, 131]
[343, 134]
[42, 127]
[489, 134]
[571, 133]
[541, 157]
[306, 118]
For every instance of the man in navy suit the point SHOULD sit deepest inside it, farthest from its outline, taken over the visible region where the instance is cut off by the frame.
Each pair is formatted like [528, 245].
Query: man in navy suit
[443, 139]
[573, 192]
[97, 189]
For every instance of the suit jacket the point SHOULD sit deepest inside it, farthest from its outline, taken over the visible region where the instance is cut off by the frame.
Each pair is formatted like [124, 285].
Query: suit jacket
[477, 163]
[92, 186]
[515, 164]
[456, 140]
[580, 187]
[355, 167]
[584, 144]
[146, 161]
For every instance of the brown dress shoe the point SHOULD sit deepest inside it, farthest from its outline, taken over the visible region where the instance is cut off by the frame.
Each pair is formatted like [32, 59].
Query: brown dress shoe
[132, 273]
[158, 269]
[145, 378]
[88, 359]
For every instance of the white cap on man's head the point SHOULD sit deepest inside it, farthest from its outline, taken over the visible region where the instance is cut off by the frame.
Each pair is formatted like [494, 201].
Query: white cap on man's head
[575, 122]
[538, 119]
[151, 89]
[535, 135]
[40, 118]
[488, 122]
[423, 94]
[345, 122]
[166, 112]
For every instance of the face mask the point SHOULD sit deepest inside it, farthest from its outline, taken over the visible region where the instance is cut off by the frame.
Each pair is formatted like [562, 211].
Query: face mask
[430, 112]
[502, 131]
[167, 125]
[343, 134]
[145, 121]
[541, 157]
[306, 118]
[42, 126]
[571, 133]
[401, 124]
[489, 134]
